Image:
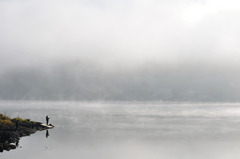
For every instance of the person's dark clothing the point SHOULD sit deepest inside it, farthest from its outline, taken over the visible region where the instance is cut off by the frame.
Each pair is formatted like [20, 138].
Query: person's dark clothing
[47, 119]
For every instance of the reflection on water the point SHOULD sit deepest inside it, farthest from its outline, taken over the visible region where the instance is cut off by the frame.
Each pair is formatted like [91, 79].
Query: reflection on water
[17, 143]
[9, 140]
[47, 133]
[124, 130]
[6, 146]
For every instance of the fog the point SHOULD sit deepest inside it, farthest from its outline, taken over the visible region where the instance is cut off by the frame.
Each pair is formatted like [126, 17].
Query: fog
[183, 50]
[129, 130]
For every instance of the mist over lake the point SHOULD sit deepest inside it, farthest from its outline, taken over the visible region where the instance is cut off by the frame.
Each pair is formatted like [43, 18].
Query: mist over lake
[120, 50]
[140, 79]
[127, 130]
[88, 81]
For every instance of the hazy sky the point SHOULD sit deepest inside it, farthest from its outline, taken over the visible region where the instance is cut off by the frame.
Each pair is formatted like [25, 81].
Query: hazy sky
[128, 32]
[165, 49]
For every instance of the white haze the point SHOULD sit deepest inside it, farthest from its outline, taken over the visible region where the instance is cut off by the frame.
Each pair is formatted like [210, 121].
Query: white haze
[123, 37]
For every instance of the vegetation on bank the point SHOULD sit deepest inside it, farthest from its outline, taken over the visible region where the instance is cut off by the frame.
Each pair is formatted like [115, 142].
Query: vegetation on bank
[5, 120]
[11, 130]
[6, 123]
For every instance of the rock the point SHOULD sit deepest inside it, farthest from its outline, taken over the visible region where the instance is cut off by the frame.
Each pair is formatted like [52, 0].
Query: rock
[9, 134]
[12, 146]
[50, 126]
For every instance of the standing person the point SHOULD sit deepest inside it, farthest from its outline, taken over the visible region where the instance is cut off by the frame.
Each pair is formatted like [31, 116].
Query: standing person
[47, 119]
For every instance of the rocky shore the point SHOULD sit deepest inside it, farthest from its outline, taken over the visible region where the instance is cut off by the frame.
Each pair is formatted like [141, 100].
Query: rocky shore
[11, 130]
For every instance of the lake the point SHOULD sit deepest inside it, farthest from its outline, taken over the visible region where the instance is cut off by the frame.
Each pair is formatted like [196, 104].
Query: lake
[128, 130]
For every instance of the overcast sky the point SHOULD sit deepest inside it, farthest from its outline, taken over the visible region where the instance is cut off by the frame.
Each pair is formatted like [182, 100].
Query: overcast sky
[115, 32]
[128, 34]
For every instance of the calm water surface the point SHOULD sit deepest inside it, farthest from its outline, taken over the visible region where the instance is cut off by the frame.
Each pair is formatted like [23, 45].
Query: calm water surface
[129, 130]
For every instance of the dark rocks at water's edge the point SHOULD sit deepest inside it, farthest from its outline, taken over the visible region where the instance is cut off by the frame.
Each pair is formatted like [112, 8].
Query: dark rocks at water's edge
[11, 132]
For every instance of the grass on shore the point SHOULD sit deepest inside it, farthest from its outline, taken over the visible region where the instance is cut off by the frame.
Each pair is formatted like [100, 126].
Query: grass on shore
[21, 120]
[5, 120]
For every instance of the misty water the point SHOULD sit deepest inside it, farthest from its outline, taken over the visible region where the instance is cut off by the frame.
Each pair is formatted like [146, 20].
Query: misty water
[129, 130]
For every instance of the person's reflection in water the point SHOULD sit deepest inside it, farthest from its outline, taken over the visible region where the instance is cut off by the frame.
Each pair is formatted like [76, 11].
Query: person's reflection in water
[47, 133]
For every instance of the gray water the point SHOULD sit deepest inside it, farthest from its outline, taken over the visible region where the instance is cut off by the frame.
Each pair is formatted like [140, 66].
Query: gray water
[129, 130]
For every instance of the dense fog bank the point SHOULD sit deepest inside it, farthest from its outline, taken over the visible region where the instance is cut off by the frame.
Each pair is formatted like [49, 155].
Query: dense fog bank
[86, 81]
[120, 50]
